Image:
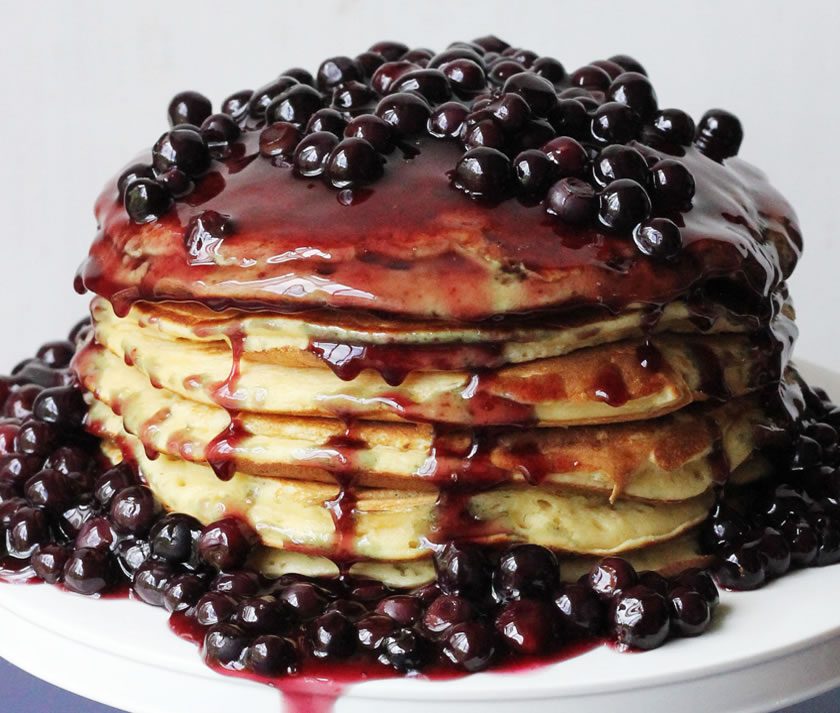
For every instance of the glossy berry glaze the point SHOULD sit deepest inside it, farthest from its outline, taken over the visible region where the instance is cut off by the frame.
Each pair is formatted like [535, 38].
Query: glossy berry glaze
[395, 217]
[70, 519]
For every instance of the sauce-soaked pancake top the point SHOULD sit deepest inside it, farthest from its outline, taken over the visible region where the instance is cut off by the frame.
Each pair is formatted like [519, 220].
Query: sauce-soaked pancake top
[412, 245]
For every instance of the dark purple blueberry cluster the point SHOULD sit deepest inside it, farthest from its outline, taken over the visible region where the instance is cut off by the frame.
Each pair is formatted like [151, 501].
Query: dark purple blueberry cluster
[793, 519]
[593, 146]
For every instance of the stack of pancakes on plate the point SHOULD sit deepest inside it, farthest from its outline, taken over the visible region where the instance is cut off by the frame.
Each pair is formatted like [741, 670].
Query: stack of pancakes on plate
[364, 379]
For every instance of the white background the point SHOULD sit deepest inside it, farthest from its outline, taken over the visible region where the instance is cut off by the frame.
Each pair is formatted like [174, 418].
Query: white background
[85, 85]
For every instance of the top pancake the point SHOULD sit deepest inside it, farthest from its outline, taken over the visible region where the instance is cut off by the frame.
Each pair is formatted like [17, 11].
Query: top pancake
[412, 245]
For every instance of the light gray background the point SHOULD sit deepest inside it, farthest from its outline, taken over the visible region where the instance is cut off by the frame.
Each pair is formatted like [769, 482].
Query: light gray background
[85, 85]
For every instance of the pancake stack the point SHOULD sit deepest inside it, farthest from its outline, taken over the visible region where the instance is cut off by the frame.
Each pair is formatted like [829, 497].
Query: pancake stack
[366, 374]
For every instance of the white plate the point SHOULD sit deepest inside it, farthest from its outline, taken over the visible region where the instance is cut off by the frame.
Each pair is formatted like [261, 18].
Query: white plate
[768, 649]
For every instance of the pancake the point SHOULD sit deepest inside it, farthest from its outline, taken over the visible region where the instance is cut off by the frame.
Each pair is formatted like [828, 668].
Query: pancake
[422, 249]
[614, 382]
[667, 558]
[395, 525]
[303, 338]
[671, 458]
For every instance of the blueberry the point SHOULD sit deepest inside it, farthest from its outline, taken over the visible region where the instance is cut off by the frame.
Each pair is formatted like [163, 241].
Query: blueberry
[639, 618]
[572, 200]
[623, 204]
[134, 510]
[226, 544]
[671, 127]
[550, 69]
[305, 599]
[34, 438]
[389, 73]
[775, 552]
[658, 238]
[611, 576]
[580, 610]
[219, 129]
[146, 200]
[430, 83]
[403, 609]
[719, 134]
[405, 650]
[236, 105]
[181, 148]
[537, 91]
[568, 156]
[491, 43]
[279, 141]
[225, 645]
[377, 132]
[112, 482]
[390, 50]
[48, 562]
[303, 76]
[96, 533]
[802, 540]
[534, 171]
[446, 611]
[590, 77]
[28, 527]
[131, 174]
[510, 111]
[62, 405]
[526, 571]
[333, 636]
[261, 615]
[131, 553]
[528, 626]
[271, 656]
[183, 592]
[470, 646]
[189, 108]
[462, 570]
[742, 567]
[629, 64]
[700, 581]
[240, 583]
[615, 123]
[151, 580]
[326, 120]
[311, 154]
[56, 355]
[372, 630]
[617, 161]
[483, 172]
[295, 106]
[690, 613]
[262, 97]
[486, 132]
[335, 71]
[353, 162]
[214, 608]
[406, 113]
[635, 91]
[499, 72]
[368, 63]
[174, 538]
[569, 118]
[89, 571]
[466, 77]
